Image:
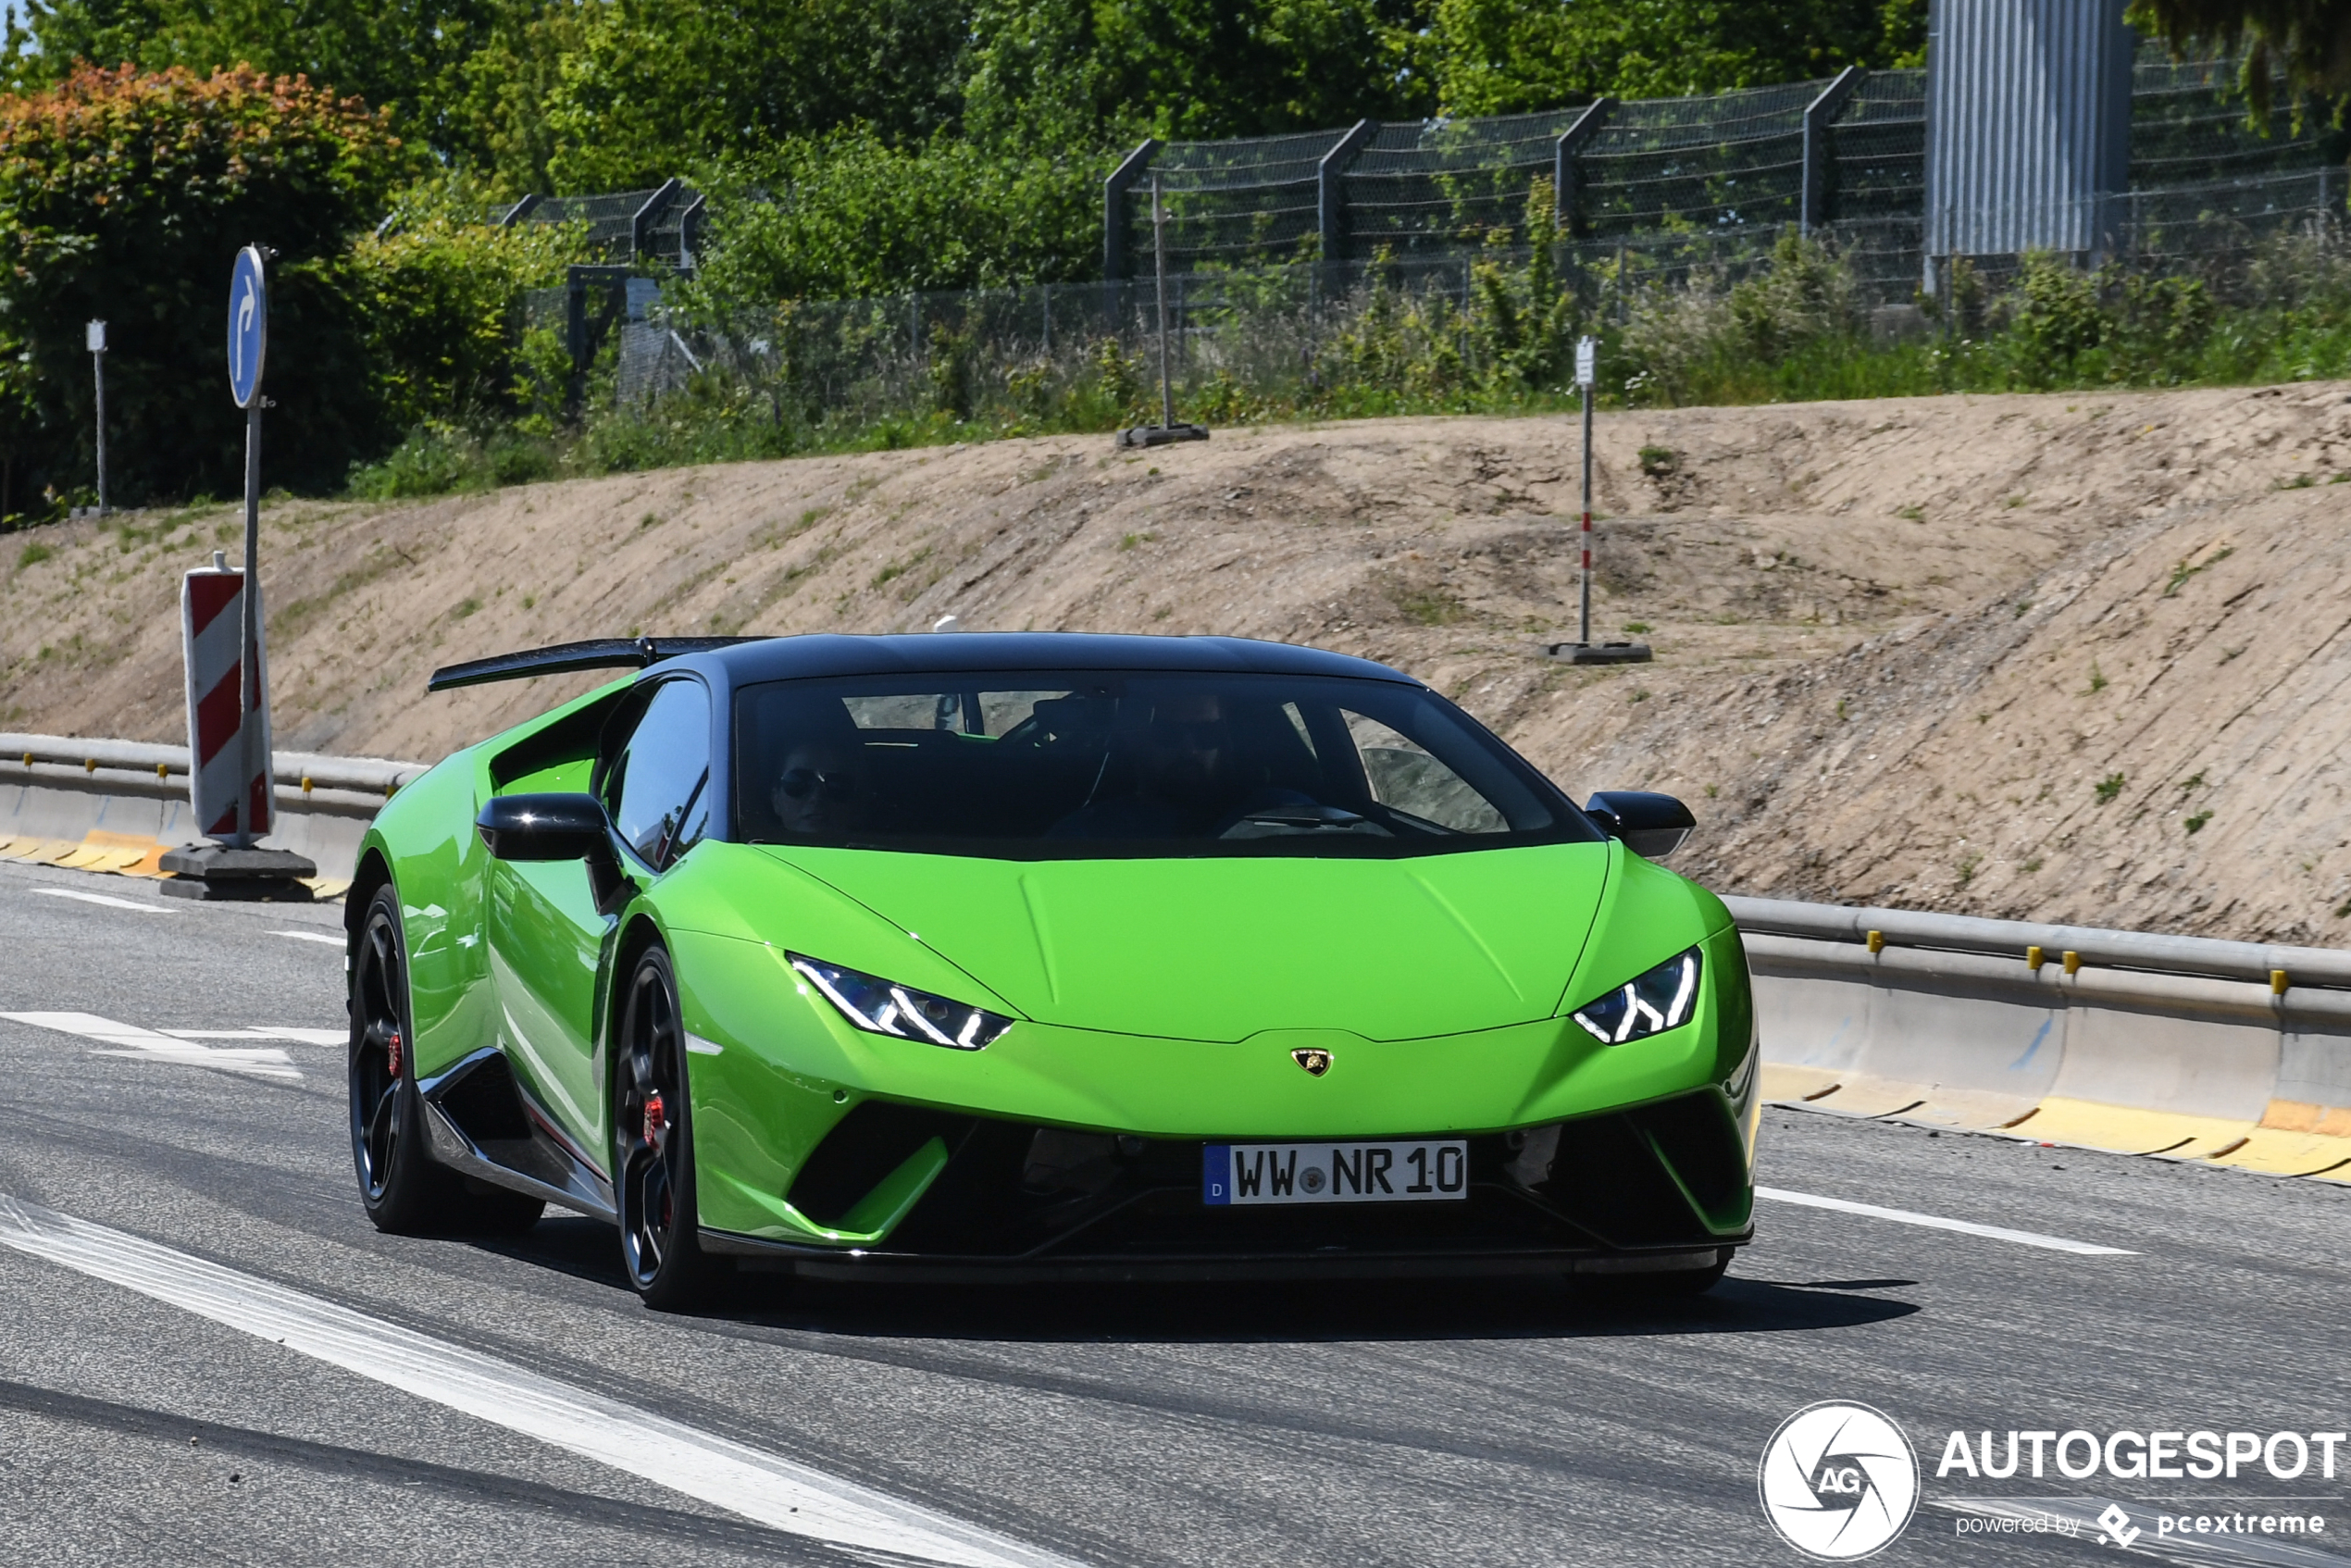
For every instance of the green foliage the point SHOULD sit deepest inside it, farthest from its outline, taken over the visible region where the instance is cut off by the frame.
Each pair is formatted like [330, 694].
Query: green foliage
[441, 297]
[2107, 789]
[1102, 70]
[1507, 56]
[125, 196]
[2300, 40]
[403, 55]
[649, 87]
[854, 217]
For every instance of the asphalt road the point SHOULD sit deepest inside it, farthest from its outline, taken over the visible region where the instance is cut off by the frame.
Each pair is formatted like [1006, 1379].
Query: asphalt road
[1218, 1427]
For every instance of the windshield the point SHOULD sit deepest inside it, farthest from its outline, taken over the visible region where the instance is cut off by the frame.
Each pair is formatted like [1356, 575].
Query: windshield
[1105, 764]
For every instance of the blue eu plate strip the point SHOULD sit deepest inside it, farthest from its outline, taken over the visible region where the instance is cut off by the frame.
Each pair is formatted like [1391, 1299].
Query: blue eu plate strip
[1216, 1174]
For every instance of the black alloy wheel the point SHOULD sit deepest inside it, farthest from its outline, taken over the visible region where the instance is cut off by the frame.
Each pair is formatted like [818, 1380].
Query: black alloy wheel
[396, 1182]
[403, 1190]
[652, 1134]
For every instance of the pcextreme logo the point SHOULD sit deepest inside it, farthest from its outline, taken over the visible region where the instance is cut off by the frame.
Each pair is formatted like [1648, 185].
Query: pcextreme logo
[1838, 1481]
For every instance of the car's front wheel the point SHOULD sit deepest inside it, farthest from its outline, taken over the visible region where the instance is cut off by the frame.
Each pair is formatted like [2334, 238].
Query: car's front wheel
[400, 1186]
[653, 1133]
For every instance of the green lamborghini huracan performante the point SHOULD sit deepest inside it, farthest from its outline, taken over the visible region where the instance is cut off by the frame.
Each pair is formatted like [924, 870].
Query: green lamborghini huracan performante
[1043, 956]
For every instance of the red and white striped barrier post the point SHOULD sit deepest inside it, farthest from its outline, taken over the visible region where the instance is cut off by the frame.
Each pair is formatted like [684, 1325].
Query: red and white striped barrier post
[228, 675]
[227, 771]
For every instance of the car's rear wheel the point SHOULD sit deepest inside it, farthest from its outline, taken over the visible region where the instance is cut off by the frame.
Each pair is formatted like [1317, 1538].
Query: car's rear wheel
[653, 1133]
[403, 1190]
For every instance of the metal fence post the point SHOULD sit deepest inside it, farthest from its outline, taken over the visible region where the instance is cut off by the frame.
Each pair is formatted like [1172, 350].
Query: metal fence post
[1567, 176]
[641, 221]
[1819, 166]
[1129, 170]
[1330, 188]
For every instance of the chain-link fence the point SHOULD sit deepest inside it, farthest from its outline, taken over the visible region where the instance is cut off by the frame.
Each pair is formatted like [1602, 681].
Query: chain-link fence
[1281, 250]
[1663, 167]
[1244, 337]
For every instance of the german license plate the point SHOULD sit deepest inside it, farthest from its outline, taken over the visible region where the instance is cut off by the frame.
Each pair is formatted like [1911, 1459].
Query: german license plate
[1335, 1173]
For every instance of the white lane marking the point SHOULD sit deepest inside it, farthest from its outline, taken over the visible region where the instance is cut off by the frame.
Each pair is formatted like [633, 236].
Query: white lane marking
[764, 1488]
[1936, 1221]
[337, 1038]
[106, 899]
[311, 936]
[128, 1039]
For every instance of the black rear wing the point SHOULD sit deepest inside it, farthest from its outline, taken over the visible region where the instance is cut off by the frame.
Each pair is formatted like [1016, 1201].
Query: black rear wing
[603, 653]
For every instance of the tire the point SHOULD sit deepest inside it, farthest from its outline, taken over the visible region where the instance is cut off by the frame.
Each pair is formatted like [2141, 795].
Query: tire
[653, 1148]
[403, 1190]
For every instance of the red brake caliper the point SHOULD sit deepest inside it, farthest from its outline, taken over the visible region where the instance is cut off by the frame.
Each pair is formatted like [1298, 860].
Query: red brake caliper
[394, 1051]
[657, 1118]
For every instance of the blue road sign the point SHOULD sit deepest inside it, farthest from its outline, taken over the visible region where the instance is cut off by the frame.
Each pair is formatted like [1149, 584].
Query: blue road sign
[248, 326]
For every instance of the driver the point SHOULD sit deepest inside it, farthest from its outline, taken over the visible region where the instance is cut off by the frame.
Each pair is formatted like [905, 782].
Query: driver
[821, 792]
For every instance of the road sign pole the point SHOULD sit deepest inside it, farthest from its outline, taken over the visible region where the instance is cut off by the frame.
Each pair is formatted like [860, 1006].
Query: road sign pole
[1584, 650]
[249, 645]
[1584, 622]
[97, 341]
[1158, 265]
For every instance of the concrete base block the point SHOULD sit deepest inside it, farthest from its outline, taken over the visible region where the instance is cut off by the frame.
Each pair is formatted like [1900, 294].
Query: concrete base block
[219, 871]
[1601, 652]
[1161, 435]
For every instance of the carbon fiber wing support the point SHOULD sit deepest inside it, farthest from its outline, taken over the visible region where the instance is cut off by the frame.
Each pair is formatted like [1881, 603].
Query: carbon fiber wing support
[603, 653]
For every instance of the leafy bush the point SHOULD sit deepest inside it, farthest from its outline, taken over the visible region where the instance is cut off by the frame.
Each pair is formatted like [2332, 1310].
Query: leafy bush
[852, 217]
[125, 195]
[441, 291]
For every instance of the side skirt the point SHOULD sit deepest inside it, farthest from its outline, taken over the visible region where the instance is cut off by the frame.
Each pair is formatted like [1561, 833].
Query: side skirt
[480, 1122]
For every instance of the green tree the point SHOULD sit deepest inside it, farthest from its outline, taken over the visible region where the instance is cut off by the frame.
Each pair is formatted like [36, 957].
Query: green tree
[2306, 42]
[1101, 71]
[1513, 56]
[126, 196]
[400, 56]
[653, 86]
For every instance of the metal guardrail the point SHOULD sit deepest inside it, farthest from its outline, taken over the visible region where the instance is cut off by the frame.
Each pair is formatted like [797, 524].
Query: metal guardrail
[302, 770]
[2033, 944]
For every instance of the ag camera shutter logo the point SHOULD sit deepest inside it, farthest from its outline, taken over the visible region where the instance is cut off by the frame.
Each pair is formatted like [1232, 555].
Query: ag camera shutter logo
[1838, 1481]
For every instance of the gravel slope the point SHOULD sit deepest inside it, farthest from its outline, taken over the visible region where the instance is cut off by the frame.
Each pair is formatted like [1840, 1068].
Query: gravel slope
[1899, 643]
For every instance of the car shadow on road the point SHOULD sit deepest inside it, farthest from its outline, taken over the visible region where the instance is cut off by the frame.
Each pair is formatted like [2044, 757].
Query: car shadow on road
[1339, 1310]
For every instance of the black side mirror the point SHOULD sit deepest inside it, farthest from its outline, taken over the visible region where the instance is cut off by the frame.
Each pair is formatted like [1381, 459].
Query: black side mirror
[1652, 826]
[545, 827]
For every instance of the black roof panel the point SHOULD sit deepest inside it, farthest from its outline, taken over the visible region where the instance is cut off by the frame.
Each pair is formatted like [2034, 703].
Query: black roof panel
[792, 658]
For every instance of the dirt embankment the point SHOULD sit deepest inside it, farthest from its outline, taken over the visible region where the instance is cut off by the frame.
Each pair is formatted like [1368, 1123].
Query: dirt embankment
[2068, 657]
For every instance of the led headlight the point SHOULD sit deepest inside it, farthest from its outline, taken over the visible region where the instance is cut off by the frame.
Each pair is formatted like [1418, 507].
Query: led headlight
[884, 1007]
[1646, 1005]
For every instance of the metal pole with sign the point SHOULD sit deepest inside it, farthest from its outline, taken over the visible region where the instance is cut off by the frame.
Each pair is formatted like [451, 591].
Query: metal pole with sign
[1167, 429]
[95, 336]
[1587, 358]
[225, 768]
[248, 346]
[1584, 650]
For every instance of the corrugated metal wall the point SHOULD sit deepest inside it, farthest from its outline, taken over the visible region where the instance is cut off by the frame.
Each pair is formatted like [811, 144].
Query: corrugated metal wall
[2028, 124]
